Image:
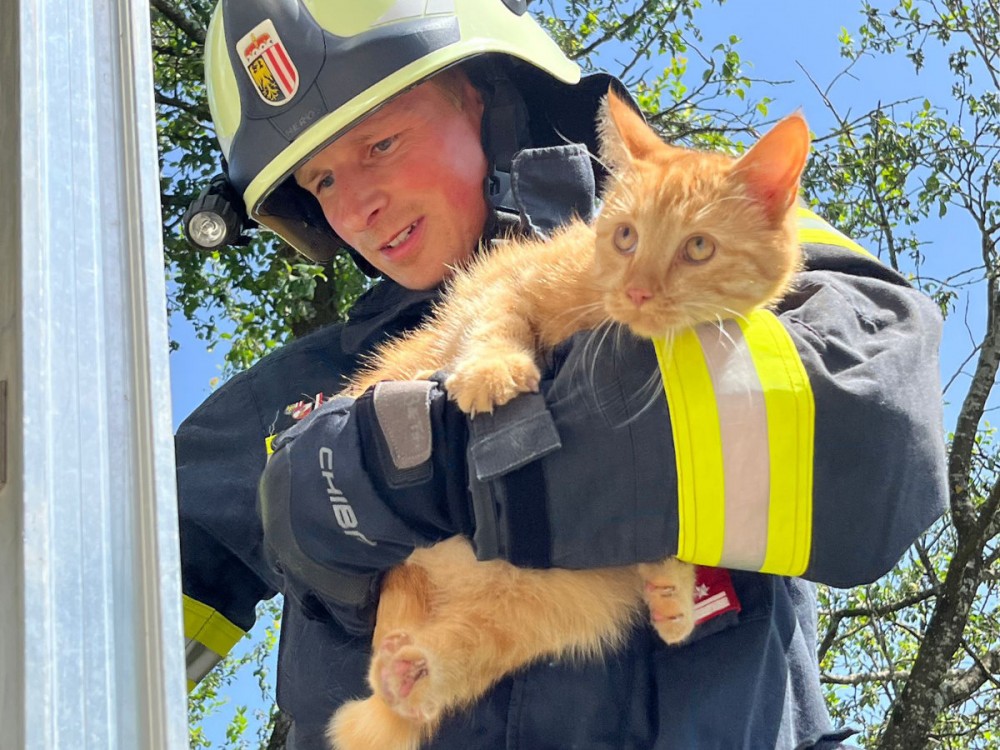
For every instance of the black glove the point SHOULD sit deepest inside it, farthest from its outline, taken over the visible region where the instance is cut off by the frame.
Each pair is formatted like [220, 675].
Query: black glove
[352, 489]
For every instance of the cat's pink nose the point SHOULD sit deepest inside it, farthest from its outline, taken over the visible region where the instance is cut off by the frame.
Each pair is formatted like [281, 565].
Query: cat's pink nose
[638, 296]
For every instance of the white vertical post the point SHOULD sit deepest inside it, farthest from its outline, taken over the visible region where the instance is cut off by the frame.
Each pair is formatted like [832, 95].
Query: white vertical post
[91, 647]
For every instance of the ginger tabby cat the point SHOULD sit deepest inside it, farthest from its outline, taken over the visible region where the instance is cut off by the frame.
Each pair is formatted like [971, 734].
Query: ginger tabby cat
[683, 237]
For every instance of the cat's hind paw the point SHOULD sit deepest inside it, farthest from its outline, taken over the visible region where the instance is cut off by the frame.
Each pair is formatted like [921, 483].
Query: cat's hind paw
[480, 384]
[668, 589]
[401, 674]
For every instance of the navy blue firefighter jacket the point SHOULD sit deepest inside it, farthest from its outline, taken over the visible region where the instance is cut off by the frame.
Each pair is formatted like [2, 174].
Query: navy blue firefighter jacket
[845, 418]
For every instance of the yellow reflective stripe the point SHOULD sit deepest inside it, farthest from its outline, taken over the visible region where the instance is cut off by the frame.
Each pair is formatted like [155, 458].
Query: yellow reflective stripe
[791, 413]
[209, 627]
[815, 229]
[269, 445]
[723, 388]
[697, 446]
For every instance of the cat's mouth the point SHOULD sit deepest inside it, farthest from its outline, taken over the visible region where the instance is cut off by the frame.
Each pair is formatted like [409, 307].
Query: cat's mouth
[646, 326]
[650, 320]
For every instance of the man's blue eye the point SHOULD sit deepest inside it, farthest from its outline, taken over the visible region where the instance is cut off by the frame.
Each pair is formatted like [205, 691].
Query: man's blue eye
[326, 182]
[384, 145]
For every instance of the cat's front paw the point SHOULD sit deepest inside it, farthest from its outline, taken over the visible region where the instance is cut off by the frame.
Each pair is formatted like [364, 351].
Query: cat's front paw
[402, 675]
[480, 384]
[669, 593]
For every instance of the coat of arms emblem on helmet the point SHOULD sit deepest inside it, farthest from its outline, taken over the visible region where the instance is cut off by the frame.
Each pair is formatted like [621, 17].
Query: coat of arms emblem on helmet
[268, 64]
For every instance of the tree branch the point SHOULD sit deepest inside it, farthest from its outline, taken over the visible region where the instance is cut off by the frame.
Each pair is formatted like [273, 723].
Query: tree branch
[960, 687]
[960, 460]
[200, 112]
[616, 31]
[176, 16]
[862, 678]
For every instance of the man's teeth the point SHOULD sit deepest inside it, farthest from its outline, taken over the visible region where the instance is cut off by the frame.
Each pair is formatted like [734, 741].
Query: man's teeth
[399, 238]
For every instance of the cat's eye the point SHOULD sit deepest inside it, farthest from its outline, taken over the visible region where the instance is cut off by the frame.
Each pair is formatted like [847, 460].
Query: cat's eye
[698, 248]
[626, 238]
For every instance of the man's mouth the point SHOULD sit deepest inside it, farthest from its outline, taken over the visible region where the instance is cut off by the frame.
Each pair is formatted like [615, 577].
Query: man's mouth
[400, 238]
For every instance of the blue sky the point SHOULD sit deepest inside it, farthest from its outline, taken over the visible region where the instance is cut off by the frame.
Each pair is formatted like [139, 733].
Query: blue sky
[784, 40]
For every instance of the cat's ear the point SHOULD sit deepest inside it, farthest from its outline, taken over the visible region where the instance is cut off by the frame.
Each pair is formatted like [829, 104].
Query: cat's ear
[624, 135]
[771, 170]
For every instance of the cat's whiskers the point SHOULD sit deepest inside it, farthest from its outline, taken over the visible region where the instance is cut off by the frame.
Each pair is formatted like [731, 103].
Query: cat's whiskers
[646, 394]
[705, 312]
[724, 335]
[573, 314]
[577, 377]
[735, 315]
[591, 351]
[654, 384]
[597, 160]
[613, 176]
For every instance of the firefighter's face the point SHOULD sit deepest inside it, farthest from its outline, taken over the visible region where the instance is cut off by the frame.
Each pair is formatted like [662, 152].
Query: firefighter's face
[405, 186]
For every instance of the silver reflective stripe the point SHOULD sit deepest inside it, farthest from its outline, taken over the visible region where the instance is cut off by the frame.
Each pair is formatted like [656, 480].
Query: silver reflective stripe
[743, 430]
[809, 220]
[199, 659]
[813, 228]
[404, 416]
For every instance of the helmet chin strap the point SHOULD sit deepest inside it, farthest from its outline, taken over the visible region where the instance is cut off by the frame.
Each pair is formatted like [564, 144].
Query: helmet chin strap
[504, 131]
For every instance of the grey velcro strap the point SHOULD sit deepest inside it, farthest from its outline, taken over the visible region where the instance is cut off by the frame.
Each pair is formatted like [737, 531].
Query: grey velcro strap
[404, 415]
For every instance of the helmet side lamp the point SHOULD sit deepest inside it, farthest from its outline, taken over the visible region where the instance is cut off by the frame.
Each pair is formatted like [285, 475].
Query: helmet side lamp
[216, 218]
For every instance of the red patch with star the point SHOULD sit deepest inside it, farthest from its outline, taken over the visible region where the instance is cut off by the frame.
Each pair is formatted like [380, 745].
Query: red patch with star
[714, 594]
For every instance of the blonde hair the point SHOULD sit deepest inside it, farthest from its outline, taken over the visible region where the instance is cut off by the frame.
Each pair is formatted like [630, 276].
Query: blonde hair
[452, 82]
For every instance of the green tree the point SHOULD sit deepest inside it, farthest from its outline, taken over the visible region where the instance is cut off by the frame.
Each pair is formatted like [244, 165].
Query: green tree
[917, 654]
[252, 297]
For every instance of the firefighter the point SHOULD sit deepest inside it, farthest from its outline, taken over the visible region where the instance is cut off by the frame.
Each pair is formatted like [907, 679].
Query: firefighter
[405, 133]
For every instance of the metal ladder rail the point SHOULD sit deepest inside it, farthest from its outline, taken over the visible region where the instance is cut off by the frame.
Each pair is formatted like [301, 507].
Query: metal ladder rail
[91, 646]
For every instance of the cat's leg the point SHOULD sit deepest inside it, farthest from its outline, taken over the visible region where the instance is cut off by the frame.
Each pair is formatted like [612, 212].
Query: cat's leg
[495, 364]
[480, 385]
[490, 619]
[415, 357]
[404, 606]
[668, 588]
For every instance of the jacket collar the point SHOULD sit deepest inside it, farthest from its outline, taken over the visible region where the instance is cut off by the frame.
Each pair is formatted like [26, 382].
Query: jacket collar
[384, 310]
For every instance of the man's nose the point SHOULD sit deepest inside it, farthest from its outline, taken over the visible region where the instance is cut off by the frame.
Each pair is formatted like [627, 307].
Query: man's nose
[359, 206]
